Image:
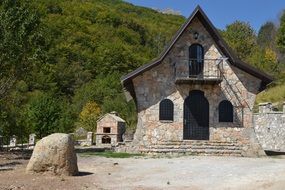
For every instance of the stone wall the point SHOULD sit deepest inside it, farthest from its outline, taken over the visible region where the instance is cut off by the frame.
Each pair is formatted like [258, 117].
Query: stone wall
[158, 83]
[269, 126]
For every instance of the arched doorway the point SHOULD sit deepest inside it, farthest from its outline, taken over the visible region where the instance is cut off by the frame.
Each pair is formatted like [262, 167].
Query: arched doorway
[106, 140]
[196, 60]
[196, 116]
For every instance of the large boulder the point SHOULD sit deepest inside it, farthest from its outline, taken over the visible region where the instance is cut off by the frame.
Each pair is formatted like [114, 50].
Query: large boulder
[54, 154]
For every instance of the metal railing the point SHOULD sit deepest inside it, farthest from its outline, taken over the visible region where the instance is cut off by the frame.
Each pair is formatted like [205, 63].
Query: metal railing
[202, 69]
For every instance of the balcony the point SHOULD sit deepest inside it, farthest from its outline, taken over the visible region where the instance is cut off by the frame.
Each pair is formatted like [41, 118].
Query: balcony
[198, 71]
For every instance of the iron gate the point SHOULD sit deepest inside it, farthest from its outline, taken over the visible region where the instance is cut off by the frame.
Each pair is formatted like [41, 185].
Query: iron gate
[196, 116]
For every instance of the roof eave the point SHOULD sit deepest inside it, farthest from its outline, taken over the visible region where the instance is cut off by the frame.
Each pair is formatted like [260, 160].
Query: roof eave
[267, 79]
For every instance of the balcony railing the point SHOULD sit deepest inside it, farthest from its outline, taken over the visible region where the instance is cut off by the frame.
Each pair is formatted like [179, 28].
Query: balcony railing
[207, 71]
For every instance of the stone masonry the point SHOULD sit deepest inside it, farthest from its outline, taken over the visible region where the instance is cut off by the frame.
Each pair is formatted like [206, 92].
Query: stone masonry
[158, 83]
[110, 129]
[270, 127]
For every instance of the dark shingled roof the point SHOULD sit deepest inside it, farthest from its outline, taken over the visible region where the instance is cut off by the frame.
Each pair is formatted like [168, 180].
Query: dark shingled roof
[198, 12]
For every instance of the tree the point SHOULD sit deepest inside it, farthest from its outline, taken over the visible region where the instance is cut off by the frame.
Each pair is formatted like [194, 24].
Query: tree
[6, 121]
[97, 90]
[126, 110]
[5, 84]
[23, 48]
[66, 53]
[89, 116]
[269, 61]
[280, 40]
[265, 59]
[44, 114]
[22, 42]
[266, 35]
[241, 37]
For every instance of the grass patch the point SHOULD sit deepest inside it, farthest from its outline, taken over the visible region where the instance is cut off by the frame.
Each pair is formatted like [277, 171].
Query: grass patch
[273, 94]
[110, 154]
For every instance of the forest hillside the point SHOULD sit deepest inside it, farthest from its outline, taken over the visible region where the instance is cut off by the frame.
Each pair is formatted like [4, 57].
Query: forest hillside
[61, 60]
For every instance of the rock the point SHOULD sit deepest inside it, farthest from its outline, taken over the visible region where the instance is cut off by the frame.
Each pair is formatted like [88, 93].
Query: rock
[54, 154]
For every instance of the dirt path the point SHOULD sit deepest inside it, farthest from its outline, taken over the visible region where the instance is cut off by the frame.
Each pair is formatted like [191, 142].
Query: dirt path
[148, 173]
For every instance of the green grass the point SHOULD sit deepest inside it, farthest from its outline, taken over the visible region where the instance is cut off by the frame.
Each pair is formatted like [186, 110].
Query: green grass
[109, 154]
[275, 95]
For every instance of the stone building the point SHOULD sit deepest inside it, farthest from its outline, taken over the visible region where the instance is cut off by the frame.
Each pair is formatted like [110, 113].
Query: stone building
[110, 129]
[197, 96]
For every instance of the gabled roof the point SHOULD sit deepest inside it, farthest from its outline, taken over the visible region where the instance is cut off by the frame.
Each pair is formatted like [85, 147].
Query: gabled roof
[116, 118]
[198, 12]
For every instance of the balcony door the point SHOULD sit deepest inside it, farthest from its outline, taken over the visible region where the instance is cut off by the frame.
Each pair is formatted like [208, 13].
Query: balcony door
[196, 60]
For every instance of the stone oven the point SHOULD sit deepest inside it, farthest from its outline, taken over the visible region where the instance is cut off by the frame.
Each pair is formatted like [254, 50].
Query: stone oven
[110, 129]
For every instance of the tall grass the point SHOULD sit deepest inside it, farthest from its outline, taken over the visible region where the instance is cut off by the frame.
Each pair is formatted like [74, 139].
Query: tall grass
[274, 94]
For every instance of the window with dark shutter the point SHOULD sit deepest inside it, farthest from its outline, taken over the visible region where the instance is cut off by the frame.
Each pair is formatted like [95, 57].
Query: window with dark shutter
[166, 110]
[225, 111]
[196, 59]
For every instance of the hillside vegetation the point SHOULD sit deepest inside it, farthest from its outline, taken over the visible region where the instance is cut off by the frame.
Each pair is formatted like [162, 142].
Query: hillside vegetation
[61, 60]
[264, 50]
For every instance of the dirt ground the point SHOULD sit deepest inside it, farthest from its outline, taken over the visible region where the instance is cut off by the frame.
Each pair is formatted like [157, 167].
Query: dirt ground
[193, 173]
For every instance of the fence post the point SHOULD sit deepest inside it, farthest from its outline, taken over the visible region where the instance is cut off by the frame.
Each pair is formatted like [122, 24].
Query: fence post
[32, 139]
[13, 141]
[1, 142]
[89, 140]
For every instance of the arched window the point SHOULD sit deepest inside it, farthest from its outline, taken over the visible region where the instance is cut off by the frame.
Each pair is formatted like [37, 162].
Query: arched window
[166, 110]
[196, 59]
[225, 111]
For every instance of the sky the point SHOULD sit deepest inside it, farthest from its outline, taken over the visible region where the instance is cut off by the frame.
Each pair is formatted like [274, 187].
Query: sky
[224, 12]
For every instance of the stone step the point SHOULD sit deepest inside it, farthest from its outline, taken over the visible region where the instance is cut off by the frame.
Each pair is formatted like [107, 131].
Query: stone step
[194, 152]
[210, 146]
[191, 142]
[195, 147]
[198, 144]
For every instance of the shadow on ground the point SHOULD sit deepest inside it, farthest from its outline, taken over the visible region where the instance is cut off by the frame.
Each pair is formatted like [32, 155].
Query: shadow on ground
[84, 173]
[9, 166]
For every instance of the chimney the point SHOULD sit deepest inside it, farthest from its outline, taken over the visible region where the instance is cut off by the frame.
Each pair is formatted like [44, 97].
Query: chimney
[115, 113]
